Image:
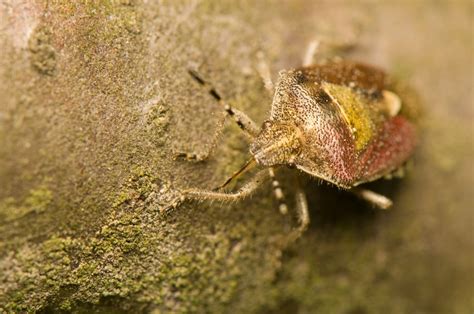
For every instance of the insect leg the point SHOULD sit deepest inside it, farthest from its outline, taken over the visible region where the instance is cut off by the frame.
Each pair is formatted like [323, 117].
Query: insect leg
[328, 47]
[303, 214]
[192, 156]
[264, 71]
[310, 53]
[241, 119]
[375, 199]
[278, 191]
[202, 195]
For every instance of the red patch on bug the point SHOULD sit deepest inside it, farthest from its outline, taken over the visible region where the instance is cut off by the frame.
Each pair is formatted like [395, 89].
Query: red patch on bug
[395, 142]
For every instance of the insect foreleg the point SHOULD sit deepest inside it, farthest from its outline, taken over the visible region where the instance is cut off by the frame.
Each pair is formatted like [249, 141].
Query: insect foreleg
[310, 53]
[241, 119]
[203, 195]
[264, 72]
[246, 190]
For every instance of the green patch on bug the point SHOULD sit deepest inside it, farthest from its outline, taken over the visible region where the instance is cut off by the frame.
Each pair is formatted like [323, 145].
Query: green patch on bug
[354, 109]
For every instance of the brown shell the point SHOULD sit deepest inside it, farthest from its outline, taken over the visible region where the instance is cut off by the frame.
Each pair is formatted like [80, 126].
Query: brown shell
[350, 133]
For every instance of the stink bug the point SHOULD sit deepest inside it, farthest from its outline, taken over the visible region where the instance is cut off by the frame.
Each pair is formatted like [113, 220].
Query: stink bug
[336, 121]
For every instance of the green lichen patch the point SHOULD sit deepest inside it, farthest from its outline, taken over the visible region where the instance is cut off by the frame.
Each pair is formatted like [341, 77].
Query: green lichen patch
[42, 52]
[159, 259]
[36, 202]
[157, 121]
[39, 199]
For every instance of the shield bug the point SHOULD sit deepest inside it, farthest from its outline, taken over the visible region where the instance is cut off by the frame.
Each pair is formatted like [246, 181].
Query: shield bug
[337, 121]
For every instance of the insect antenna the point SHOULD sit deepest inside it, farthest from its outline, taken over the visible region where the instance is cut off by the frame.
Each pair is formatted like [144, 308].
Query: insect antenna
[278, 191]
[247, 166]
[241, 119]
[211, 90]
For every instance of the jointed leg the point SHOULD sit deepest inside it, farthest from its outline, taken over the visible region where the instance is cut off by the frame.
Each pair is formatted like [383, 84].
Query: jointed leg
[264, 71]
[311, 51]
[302, 212]
[192, 156]
[375, 199]
[201, 195]
[241, 119]
[325, 45]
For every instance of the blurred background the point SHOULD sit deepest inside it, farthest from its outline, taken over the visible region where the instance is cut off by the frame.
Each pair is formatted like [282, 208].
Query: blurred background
[95, 99]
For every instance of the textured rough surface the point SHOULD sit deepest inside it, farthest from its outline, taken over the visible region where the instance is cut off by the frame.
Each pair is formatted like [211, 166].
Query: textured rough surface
[331, 121]
[95, 99]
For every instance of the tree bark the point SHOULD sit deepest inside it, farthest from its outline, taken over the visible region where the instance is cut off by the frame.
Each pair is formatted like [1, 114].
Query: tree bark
[96, 100]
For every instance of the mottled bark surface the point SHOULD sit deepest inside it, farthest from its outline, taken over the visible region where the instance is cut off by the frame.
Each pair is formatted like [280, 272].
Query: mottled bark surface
[95, 99]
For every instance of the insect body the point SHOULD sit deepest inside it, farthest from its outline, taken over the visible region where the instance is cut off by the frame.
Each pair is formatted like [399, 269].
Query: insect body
[337, 121]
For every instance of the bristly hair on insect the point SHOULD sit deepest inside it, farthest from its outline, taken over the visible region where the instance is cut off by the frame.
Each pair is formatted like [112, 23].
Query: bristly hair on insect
[335, 120]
